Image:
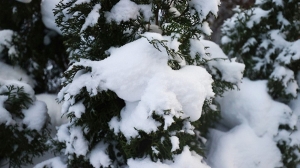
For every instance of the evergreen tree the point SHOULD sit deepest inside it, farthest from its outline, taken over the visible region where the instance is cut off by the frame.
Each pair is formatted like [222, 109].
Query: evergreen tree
[266, 38]
[225, 12]
[26, 47]
[139, 82]
[36, 49]
[23, 124]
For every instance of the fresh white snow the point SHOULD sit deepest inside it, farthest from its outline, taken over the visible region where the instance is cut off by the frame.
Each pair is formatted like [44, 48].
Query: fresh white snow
[250, 121]
[48, 17]
[139, 61]
[124, 10]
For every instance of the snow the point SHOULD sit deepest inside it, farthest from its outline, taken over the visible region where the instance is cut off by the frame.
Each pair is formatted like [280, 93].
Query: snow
[294, 138]
[48, 17]
[172, 96]
[205, 28]
[273, 44]
[134, 117]
[278, 2]
[175, 143]
[175, 12]
[253, 105]
[80, 1]
[77, 143]
[290, 53]
[63, 133]
[15, 73]
[35, 116]
[27, 88]
[146, 11]
[124, 10]
[256, 18]
[187, 159]
[250, 121]
[98, 157]
[24, 1]
[5, 39]
[54, 162]
[92, 17]
[140, 62]
[286, 76]
[241, 147]
[279, 39]
[282, 20]
[54, 110]
[139, 74]
[231, 71]
[225, 40]
[78, 109]
[204, 8]
[6, 36]
[74, 140]
[250, 42]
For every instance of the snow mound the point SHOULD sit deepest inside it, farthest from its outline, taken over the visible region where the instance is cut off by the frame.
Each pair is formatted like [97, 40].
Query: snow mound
[124, 10]
[249, 130]
[241, 147]
[35, 116]
[8, 72]
[253, 105]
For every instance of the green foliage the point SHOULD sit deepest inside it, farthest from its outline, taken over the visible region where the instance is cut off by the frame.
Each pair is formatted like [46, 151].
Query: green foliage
[93, 43]
[19, 144]
[264, 37]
